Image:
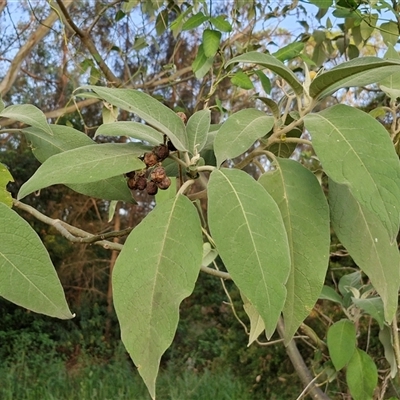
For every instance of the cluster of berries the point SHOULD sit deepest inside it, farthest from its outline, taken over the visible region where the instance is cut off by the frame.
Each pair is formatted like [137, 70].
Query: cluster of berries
[137, 180]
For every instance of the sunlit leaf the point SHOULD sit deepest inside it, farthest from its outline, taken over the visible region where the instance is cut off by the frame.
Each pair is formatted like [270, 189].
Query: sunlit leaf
[27, 275]
[256, 251]
[356, 150]
[155, 271]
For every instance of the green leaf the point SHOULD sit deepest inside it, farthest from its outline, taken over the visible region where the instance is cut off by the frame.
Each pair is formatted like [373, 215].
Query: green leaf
[256, 250]
[201, 64]
[5, 178]
[289, 51]
[239, 132]
[119, 15]
[2, 105]
[372, 306]
[358, 72]
[132, 129]
[85, 164]
[265, 82]
[163, 195]
[349, 281]
[162, 21]
[329, 293]
[194, 21]
[209, 255]
[361, 376]
[386, 338]
[341, 341]
[322, 3]
[390, 32]
[156, 270]
[271, 63]
[368, 243]
[283, 148]
[242, 80]
[63, 138]
[197, 129]
[356, 150]
[305, 213]
[28, 114]
[149, 109]
[211, 40]
[66, 138]
[390, 85]
[221, 23]
[367, 25]
[256, 323]
[27, 276]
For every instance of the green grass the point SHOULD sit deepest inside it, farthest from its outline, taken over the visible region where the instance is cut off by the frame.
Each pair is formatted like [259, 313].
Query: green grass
[113, 381]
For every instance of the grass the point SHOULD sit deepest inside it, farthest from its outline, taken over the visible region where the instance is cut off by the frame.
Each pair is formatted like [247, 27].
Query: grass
[113, 381]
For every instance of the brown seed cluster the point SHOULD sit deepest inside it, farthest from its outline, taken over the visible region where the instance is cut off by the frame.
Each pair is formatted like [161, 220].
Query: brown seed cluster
[156, 178]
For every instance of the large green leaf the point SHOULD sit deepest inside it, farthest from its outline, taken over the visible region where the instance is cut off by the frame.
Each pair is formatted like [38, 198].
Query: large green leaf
[28, 114]
[358, 72]
[27, 275]
[132, 129]
[66, 138]
[341, 341]
[368, 242]
[197, 129]
[356, 150]
[149, 109]
[155, 271]
[85, 164]
[5, 178]
[361, 376]
[271, 63]
[250, 237]
[239, 132]
[305, 214]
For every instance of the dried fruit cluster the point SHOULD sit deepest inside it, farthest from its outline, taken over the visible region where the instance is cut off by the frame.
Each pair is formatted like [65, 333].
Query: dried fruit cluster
[137, 180]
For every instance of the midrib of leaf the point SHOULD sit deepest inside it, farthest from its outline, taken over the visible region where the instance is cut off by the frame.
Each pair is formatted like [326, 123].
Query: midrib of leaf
[28, 280]
[251, 235]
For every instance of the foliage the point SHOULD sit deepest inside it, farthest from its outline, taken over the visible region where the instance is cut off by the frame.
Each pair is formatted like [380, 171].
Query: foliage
[244, 208]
